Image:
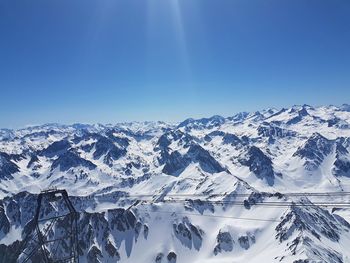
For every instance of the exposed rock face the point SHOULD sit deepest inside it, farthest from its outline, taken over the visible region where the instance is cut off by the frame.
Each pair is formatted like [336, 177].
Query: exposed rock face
[56, 148]
[208, 163]
[7, 167]
[301, 114]
[213, 134]
[10, 253]
[224, 242]
[159, 258]
[199, 205]
[171, 257]
[246, 241]
[105, 147]
[4, 221]
[232, 139]
[259, 164]
[100, 234]
[314, 151]
[211, 122]
[239, 117]
[273, 131]
[69, 160]
[342, 159]
[94, 255]
[178, 136]
[188, 234]
[299, 225]
[176, 162]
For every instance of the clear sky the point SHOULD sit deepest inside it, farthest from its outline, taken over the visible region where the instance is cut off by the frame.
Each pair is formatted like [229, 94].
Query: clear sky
[121, 60]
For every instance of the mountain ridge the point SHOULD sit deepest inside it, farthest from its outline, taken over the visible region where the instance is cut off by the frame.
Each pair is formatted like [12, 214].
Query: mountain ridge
[195, 191]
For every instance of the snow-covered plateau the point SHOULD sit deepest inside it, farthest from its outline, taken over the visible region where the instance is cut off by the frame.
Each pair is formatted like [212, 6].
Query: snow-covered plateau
[244, 188]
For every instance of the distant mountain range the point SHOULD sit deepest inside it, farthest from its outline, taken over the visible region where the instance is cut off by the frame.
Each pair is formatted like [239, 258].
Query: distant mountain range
[191, 191]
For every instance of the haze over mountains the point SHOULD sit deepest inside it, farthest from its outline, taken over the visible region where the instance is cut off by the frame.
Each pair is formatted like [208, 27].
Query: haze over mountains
[189, 192]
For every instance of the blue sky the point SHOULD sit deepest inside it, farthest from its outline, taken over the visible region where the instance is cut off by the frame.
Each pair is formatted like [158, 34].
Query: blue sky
[121, 60]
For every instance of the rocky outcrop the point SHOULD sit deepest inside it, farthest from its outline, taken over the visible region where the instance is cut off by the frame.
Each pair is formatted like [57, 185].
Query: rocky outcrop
[7, 167]
[342, 159]
[314, 151]
[272, 131]
[246, 241]
[188, 234]
[70, 160]
[171, 257]
[176, 162]
[106, 147]
[224, 242]
[56, 148]
[208, 123]
[260, 164]
[306, 227]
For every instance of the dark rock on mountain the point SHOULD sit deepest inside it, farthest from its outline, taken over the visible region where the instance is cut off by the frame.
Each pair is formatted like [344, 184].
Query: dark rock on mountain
[199, 205]
[315, 149]
[183, 234]
[169, 137]
[342, 159]
[270, 130]
[9, 254]
[227, 138]
[333, 122]
[188, 234]
[342, 167]
[199, 155]
[278, 113]
[172, 257]
[4, 221]
[7, 167]
[212, 134]
[121, 141]
[256, 116]
[6, 134]
[94, 255]
[246, 241]
[224, 242]
[56, 148]
[239, 117]
[17, 157]
[303, 218]
[121, 219]
[13, 212]
[211, 122]
[309, 225]
[259, 164]
[111, 148]
[96, 230]
[301, 114]
[345, 107]
[70, 160]
[176, 162]
[105, 147]
[33, 159]
[159, 258]
[112, 251]
[232, 139]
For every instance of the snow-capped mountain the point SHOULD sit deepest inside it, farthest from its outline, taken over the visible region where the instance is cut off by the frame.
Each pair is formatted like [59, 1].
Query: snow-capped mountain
[190, 191]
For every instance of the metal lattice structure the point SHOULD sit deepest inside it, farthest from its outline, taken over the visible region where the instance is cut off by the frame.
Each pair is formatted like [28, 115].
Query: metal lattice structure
[53, 232]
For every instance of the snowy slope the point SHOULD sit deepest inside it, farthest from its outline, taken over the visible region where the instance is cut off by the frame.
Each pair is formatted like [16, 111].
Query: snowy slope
[191, 190]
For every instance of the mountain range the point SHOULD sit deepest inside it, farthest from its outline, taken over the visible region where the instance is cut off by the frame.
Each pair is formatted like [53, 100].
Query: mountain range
[189, 192]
